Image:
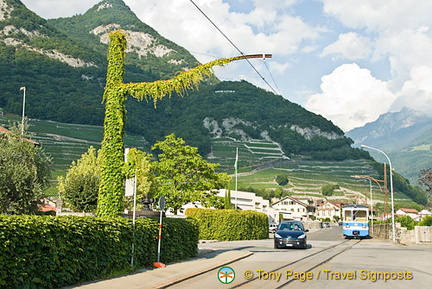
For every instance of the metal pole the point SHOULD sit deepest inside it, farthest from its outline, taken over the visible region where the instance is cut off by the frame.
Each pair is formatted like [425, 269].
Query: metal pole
[160, 236]
[23, 88]
[133, 220]
[236, 178]
[371, 200]
[391, 190]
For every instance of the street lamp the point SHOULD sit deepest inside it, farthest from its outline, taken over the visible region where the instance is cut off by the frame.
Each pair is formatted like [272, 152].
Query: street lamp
[391, 189]
[23, 89]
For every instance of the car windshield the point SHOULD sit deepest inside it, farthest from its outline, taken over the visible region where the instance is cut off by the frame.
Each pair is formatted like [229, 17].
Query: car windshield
[291, 227]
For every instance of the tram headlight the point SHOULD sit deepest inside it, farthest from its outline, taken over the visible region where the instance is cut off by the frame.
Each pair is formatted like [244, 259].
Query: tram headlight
[347, 226]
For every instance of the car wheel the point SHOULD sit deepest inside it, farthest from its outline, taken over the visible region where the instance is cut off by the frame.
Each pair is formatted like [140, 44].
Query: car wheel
[276, 247]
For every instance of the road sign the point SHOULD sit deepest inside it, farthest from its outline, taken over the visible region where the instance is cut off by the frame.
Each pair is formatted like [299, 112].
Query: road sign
[162, 203]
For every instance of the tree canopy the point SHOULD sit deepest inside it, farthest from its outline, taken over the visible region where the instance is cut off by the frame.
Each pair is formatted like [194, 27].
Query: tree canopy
[183, 176]
[25, 171]
[80, 186]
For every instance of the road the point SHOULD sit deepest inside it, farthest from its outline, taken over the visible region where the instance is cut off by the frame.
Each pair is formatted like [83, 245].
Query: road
[330, 261]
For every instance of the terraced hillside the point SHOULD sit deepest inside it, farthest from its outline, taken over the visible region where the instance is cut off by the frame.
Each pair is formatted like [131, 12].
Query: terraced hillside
[65, 142]
[306, 179]
[259, 161]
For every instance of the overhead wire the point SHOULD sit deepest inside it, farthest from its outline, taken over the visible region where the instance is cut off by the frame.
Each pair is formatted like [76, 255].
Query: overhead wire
[235, 46]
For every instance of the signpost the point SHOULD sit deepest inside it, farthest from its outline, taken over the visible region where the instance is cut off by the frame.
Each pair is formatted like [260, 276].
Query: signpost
[161, 207]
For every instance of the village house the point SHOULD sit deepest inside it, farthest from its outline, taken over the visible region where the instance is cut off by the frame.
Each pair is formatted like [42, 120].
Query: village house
[328, 210]
[413, 213]
[291, 208]
[423, 213]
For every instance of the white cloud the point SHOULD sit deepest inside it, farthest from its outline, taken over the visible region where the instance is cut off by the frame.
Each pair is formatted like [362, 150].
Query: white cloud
[57, 8]
[350, 46]
[351, 97]
[380, 15]
[416, 93]
[264, 29]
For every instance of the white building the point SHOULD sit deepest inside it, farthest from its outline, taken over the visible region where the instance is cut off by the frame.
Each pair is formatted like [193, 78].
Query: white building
[423, 213]
[291, 208]
[413, 213]
[327, 210]
[241, 200]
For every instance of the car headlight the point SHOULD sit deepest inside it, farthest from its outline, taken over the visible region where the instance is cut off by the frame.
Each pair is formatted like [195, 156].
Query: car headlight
[277, 235]
[301, 236]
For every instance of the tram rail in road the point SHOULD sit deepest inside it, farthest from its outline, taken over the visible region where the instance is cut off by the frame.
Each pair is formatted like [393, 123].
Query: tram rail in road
[304, 266]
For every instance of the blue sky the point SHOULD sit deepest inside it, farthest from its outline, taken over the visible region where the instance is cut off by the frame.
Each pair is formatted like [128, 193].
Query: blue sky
[349, 60]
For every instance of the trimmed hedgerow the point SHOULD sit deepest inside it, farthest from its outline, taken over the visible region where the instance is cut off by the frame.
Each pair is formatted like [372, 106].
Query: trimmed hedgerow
[230, 225]
[51, 252]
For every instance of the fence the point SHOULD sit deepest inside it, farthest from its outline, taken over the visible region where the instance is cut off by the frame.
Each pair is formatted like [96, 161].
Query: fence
[420, 234]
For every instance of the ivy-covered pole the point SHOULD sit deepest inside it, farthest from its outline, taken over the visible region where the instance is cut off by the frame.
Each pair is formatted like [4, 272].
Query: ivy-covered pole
[112, 176]
[111, 189]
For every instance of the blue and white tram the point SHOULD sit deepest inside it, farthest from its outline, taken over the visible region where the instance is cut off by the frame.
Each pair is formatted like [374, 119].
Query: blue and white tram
[355, 221]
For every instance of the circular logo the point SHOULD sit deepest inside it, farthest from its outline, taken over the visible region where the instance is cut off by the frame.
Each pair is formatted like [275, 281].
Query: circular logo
[226, 275]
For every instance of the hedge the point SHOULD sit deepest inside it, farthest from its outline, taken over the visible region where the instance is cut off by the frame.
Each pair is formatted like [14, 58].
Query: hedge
[230, 225]
[51, 252]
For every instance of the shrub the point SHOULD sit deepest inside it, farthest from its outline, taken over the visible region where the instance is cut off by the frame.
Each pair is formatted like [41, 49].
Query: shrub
[282, 180]
[51, 252]
[407, 222]
[427, 221]
[328, 189]
[230, 225]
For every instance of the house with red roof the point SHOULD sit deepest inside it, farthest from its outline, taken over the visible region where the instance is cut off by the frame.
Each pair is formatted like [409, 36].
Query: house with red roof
[413, 213]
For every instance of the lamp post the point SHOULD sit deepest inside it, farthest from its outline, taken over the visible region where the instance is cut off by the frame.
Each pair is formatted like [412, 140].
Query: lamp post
[23, 89]
[391, 189]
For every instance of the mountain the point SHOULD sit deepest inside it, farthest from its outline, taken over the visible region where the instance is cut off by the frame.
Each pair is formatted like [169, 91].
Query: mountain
[406, 137]
[62, 63]
[147, 51]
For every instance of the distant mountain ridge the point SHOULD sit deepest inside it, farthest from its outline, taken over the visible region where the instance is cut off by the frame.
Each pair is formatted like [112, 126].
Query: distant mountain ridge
[406, 136]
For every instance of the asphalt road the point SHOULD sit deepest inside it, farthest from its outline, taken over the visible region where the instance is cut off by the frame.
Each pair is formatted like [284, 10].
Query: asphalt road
[330, 261]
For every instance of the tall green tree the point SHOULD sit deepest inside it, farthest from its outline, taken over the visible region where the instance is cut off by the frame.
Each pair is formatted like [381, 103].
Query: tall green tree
[115, 93]
[25, 171]
[80, 187]
[183, 176]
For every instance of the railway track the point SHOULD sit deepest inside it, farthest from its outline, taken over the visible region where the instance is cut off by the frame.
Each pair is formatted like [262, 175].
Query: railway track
[305, 265]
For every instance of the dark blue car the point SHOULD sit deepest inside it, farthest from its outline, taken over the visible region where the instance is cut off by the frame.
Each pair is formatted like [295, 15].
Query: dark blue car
[290, 234]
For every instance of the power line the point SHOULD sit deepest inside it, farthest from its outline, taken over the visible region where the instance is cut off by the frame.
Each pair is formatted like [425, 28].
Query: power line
[235, 46]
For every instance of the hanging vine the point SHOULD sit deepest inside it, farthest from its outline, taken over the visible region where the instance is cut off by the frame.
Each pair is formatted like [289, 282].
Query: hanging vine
[112, 177]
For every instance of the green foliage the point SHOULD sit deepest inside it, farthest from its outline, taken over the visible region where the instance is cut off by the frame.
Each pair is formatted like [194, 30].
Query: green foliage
[230, 225]
[183, 176]
[25, 171]
[112, 174]
[112, 151]
[427, 221]
[227, 199]
[402, 185]
[52, 252]
[328, 189]
[282, 180]
[406, 222]
[408, 205]
[80, 187]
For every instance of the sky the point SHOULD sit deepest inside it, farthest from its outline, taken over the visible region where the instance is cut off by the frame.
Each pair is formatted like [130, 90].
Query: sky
[349, 61]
